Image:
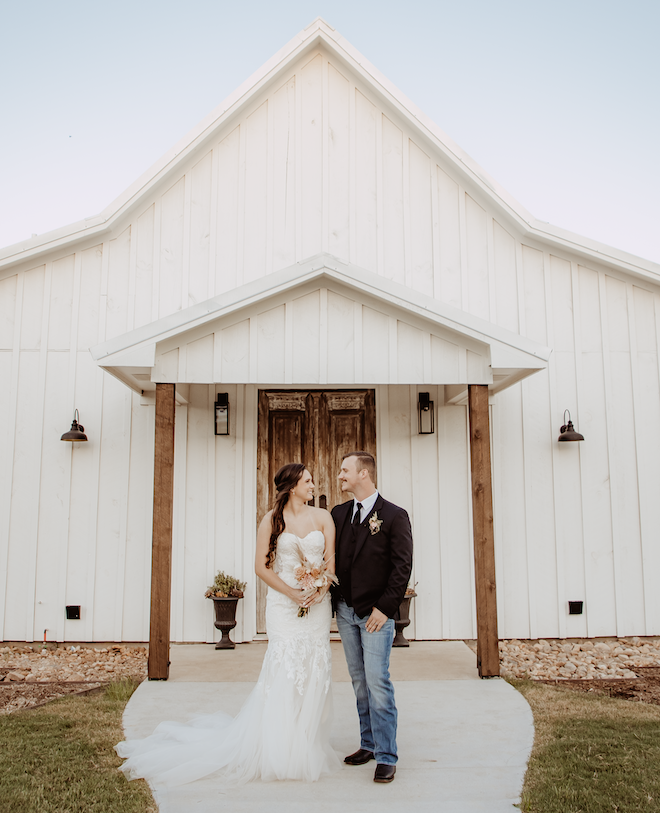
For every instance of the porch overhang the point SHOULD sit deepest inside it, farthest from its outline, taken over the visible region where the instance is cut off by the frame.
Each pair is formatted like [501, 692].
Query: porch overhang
[322, 322]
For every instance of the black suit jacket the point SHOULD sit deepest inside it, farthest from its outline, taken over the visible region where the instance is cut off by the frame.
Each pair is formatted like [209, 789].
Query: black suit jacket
[381, 561]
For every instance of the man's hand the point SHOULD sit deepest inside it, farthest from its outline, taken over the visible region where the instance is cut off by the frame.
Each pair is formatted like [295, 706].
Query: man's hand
[375, 620]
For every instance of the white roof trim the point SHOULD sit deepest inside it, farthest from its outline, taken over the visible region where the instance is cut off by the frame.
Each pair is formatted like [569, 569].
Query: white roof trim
[134, 353]
[320, 33]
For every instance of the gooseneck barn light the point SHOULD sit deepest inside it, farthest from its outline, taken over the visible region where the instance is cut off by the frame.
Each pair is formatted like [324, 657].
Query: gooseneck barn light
[77, 431]
[567, 431]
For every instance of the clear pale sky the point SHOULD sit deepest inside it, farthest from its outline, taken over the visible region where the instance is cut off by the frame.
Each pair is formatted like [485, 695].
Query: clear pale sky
[559, 101]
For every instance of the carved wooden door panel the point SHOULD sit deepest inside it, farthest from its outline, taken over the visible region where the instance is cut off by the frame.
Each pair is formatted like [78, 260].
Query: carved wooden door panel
[317, 428]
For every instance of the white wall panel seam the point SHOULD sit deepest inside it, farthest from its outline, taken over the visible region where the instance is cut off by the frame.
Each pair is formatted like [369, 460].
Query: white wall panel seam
[407, 247]
[468, 488]
[415, 468]
[648, 578]
[32, 596]
[498, 503]
[242, 169]
[394, 359]
[382, 437]
[155, 265]
[611, 465]
[246, 501]
[270, 186]
[490, 248]
[443, 626]
[210, 491]
[120, 597]
[380, 230]
[6, 494]
[656, 311]
[132, 271]
[213, 226]
[435, 223]
[288, 342]
[325, 191]
[550, 337]
[148, 530]
[299, 163]
[98, 433]
[531, 629]
[178, 596]
[358, 375]
[254, 344]
[529, 526]
[187, 225]
[323, 336]
[577, 339]
[462, 225]
[71, 387]
[352, 183]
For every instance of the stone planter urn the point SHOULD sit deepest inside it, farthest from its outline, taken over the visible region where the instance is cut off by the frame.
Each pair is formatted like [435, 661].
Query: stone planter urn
[225, 619]
[403, 620]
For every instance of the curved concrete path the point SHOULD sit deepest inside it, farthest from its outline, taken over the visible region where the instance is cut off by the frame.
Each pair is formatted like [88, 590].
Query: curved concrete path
[463, 742]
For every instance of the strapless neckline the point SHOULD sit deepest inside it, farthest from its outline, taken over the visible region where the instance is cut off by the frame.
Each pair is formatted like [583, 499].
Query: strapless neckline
[301, 538]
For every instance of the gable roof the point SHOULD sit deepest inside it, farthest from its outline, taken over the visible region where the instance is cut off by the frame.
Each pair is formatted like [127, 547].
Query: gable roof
[319, 33]
[322, 322]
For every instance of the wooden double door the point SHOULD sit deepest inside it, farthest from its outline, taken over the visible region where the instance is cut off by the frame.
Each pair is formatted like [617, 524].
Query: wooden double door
[317, 428]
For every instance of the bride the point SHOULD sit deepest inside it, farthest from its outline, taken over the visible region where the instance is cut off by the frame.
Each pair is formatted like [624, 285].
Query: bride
[282, 730]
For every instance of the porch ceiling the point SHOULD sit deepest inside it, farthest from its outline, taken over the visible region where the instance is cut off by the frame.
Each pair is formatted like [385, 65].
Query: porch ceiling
[322, 322]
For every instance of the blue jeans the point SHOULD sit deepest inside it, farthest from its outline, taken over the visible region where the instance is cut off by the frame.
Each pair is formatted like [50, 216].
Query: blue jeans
[368, 658]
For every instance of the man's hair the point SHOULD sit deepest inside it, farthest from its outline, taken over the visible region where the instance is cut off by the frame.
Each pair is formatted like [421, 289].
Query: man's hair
[365, 460]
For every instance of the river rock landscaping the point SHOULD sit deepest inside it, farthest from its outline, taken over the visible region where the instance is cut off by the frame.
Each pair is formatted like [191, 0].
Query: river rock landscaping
[549, 659]
[31, 674]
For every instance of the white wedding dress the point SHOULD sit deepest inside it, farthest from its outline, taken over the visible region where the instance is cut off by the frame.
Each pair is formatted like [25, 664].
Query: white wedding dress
[282, 730]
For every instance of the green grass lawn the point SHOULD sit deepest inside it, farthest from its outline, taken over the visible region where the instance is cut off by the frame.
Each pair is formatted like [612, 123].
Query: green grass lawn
[592, 753]
[59, 758]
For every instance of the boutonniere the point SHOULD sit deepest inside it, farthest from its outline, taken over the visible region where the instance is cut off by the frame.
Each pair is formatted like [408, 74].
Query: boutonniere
[374, 523]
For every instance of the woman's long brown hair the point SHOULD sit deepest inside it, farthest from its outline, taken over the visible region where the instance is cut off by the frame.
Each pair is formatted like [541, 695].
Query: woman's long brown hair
[285, 480]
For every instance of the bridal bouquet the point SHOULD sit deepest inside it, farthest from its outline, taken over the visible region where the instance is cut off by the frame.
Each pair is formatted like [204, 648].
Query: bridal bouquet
[312, 577]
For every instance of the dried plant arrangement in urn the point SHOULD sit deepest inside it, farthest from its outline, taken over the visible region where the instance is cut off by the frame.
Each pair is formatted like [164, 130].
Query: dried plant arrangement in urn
[225, 593]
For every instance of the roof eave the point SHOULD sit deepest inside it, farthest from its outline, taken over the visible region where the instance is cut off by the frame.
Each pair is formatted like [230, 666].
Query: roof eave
[320, 32]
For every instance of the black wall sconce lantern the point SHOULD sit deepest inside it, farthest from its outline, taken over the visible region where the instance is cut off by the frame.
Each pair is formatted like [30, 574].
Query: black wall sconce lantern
[73, 612]
[222, 414]
[77, 431]
[567, 431]
[575, 607]
[425, 414]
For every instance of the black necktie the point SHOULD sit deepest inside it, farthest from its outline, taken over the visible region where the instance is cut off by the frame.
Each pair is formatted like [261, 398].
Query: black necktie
[356, 518]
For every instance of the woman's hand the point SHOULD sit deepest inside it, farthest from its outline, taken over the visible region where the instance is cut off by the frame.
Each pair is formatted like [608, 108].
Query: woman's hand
[303, 598]
[320, 594]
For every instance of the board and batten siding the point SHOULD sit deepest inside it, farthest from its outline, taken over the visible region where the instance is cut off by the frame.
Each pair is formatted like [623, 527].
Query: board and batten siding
[317, 164]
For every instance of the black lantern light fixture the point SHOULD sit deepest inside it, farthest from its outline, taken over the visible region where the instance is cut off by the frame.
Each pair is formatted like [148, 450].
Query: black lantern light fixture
[567, 431]
[77, 431]
[222, 413]
[425, 414]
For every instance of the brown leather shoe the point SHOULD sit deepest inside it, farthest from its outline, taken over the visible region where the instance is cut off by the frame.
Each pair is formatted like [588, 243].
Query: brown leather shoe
[360, 757]
[384, 773]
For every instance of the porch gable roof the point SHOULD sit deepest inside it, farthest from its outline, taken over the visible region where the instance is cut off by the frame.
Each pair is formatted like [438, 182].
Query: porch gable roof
[322, 322]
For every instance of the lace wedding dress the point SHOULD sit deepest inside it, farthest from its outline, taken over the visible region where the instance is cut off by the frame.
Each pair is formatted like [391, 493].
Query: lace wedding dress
[282, 730]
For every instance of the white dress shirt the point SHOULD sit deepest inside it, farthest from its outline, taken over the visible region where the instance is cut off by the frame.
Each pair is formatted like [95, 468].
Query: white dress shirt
[367, 505]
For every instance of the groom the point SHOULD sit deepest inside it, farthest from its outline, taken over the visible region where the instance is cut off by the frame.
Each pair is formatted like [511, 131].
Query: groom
[374, 560]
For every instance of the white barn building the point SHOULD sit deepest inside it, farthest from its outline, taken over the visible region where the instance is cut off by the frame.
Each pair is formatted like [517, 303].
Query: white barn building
[322, 253]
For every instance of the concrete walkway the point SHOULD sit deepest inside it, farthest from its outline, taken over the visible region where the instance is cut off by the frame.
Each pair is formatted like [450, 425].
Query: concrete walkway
[463, 742]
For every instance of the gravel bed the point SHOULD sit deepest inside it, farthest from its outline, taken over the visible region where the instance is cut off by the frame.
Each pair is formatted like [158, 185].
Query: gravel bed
[578, 659]
[31, 675]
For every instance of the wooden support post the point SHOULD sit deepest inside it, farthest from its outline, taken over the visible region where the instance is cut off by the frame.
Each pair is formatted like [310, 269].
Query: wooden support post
[161, 556]
[488, 657]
